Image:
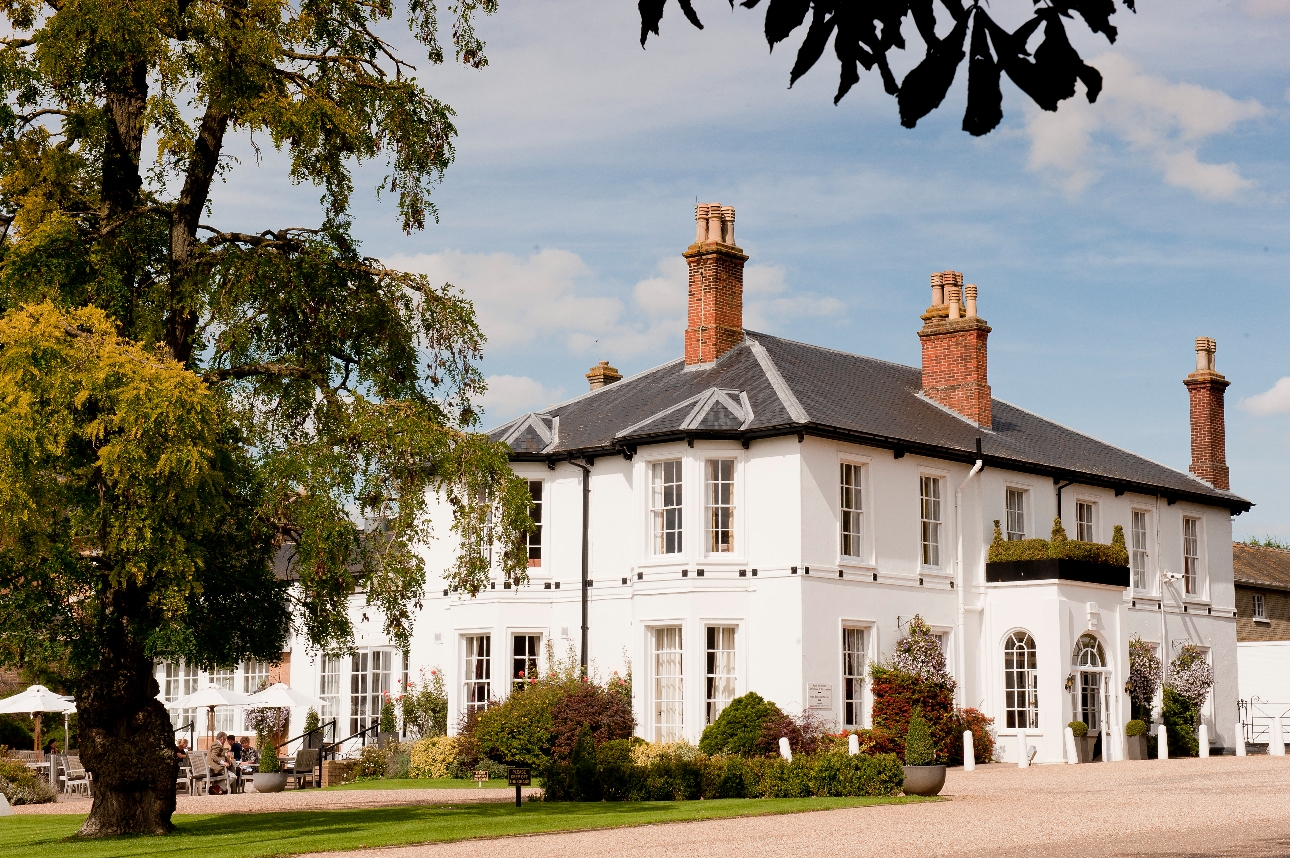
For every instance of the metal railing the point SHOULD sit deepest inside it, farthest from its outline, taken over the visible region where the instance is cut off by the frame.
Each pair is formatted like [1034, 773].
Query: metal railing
[1256, 718]
[361, 735]
[192, 735]
[330, 727]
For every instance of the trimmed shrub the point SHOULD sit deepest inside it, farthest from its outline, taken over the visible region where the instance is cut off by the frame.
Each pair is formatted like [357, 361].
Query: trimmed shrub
[1135, 728]
[1078, 728]
[1059, 547]
[896, 694]
[435, 757]
[606, 714]
[1180, 718]
[739, 727]
[982, 737]
[518, 729]
[21, 785]
[372, 761]
[918, 742]
[1144, 673]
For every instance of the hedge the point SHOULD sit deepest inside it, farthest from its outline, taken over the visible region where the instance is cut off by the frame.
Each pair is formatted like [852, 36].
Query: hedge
[609, 773]
[1059, 547]
[21, 785]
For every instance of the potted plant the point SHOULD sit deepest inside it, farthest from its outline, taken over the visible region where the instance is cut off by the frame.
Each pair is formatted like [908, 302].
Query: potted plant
[1084, 743]
[1135, 740]
[387, 733]
[922, 775]
[267, 723]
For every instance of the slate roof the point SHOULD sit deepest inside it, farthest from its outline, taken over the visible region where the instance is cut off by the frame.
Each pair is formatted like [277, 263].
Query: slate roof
[767, 386]
[1261, 567]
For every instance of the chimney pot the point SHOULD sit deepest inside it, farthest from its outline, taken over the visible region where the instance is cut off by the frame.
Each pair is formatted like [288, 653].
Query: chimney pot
[700, 223]
[603, 375]
[938, 289]
[714, 222]
[954, 302]
[728, 224]
[970, 291]
[1206, 389]
[716, 286]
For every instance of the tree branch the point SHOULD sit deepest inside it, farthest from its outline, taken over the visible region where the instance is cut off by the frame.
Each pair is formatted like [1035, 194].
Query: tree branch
[277, 370]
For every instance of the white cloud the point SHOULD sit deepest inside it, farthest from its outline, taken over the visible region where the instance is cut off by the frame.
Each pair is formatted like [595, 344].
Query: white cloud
[1269, 402]
[1166, 122]
[511, 395]
[1266, 8]
[551, 300]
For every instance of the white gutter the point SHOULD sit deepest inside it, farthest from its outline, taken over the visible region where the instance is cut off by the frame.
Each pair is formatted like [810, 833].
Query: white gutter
[960, 655]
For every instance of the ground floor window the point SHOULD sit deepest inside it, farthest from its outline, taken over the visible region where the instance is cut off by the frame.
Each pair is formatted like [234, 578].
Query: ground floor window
[479, 671]
[1020, 682]
[720, 673]
[329, 689]
[669, 690]
[853, 672]
[524, 659]
[370, 674]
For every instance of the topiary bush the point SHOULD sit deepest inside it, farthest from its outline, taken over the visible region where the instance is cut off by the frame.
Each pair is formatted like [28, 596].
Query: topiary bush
[21, 785]
[919, 750]
[1059, 547]
[1078, 729]
[739, 727]
[896, 694]
[1135, 728]
[1180, 717]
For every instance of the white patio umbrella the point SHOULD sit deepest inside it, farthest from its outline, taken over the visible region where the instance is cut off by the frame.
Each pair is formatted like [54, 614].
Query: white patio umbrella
[33, 702]
[280, 695]
[208, 698]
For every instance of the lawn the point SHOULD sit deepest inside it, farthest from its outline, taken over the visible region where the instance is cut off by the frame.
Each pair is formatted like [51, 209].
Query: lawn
[263, 834]
[425, 783]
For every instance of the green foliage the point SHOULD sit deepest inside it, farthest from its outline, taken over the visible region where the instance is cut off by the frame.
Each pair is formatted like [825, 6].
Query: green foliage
[269, 761]
[1269, 541]
[739, 727]
[1059, 547]
[425, 705]
[16, 732]
[919, 750]
[1135, 728]
[388, 722]
[372, 761]
[312, 721]
[1078, 729]
[897, 695]
[433, 757]
[21, 785]
[1180, 717]
[621, 775]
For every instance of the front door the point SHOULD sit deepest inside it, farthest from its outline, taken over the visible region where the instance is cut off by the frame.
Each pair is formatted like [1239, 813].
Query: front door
[1091, 691]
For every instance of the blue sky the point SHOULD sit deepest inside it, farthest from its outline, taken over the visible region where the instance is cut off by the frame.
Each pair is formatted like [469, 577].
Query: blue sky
[1103, 238]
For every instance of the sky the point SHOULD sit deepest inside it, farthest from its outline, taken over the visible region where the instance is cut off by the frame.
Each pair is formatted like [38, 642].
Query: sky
[1103, 238]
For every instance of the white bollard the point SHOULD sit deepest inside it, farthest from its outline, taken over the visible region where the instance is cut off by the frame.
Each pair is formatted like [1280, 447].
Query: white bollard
[969, 752]
[853, 744]
[1162, 744]
[1202, 736]
[1023, 752]
[1276, 742]
[784, 750]
[1072, 753]
[1240, 739]
[5, 809]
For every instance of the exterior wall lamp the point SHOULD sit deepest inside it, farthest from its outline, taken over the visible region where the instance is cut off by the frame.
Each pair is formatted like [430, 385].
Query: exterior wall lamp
[1070, 682]
[1128, 686]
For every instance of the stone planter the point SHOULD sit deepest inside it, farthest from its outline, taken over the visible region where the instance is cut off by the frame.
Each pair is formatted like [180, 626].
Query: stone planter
[1084, 748]
[269, 781]
[1135, 747]
[924, 780]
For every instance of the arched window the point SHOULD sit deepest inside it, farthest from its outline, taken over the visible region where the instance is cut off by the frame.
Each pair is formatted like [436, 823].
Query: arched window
[1020, 682]
[1088, 653]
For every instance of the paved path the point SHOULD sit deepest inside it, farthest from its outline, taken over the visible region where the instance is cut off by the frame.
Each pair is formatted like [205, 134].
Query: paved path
[1220, 806]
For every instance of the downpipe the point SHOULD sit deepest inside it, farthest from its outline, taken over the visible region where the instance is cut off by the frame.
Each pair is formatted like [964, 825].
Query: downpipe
[586, 556]
[960, 654]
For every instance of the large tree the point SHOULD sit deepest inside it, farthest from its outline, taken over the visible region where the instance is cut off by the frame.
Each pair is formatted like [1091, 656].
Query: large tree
[179, 398]
[865, 32]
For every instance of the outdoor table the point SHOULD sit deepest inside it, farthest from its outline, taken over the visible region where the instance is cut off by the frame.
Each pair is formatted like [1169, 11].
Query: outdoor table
[45, 769]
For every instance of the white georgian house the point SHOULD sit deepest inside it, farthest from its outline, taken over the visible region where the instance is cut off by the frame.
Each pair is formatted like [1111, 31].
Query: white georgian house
[766, 515]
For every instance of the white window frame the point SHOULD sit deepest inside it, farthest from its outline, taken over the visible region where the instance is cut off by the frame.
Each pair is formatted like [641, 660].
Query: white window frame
[720, 668]
[254, 674]
[931, 531]
[1025, 691]
[1140, 555]
[329, 673]
[855, 675]
[371, 677]
[477, 659]
[1193, 568]
[533, 539]
[532, 663]
[1010, 532]
[667, 690]
[1086, 531]
[851, 503]
[1260, 612]
[712, 506]
[658, 510]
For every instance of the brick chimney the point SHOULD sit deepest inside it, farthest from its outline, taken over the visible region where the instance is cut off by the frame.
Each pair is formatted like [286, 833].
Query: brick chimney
[1208, 430]
[603, 375]
[954, 353]
[716, 317]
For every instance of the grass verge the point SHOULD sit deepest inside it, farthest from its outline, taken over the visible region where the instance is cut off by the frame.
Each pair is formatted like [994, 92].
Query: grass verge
[252, 835]
[423, 783]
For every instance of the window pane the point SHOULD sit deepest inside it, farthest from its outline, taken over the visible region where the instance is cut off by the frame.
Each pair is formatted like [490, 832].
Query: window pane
[930, 525]
[1021, 682]
[1138, 555]
[720, 492]
[478, 673]
[852, 510]
[665, 506]
[524, 660]
[534, 536]
[669, 699]
[853, 676]
[1191, 555]
[720, 678]
[1084, 522]
[1016, 514]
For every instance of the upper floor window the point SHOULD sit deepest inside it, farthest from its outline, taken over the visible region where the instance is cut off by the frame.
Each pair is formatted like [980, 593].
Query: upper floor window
[1020, 682]
[930, 524]
[720, 492]
[1016, 502]
[255, 675]
[1260, 607]
[1138, 554]
[524, 660]
[665, 506]
[479, 671]
[852, 509]
[1191, 555]
[534, 536]
[1084, 514]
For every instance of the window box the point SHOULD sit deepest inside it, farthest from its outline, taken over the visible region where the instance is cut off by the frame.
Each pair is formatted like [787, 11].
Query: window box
[1082, 571]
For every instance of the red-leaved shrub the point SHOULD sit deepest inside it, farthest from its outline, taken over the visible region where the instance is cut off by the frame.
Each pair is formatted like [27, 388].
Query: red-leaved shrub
[607, 714]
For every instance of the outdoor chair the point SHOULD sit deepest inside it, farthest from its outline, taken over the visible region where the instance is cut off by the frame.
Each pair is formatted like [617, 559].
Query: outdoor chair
[74, 776]
[185, 778]
[305, 766]
[210, 776]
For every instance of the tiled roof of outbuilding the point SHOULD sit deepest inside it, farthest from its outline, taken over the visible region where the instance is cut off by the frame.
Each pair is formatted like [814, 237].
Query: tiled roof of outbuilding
[767, 386]
[1261, 567]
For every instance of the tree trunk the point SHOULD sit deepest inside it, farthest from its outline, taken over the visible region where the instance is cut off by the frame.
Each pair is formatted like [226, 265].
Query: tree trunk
[128, 745]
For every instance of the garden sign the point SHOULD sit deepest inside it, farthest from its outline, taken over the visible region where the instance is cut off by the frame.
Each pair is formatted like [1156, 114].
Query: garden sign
[518, 776]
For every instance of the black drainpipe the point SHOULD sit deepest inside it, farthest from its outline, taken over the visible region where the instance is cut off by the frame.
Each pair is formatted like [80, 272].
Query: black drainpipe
[586, 522]
[1061, 486]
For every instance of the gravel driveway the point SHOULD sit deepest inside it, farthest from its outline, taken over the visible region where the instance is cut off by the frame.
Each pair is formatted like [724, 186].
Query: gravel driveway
[1219, 806]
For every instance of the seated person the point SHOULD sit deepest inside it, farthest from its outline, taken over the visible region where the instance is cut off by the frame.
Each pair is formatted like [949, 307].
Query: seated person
[250, 756]
[235, 749]
[181, 751]
[218, 762]
[51, 747]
